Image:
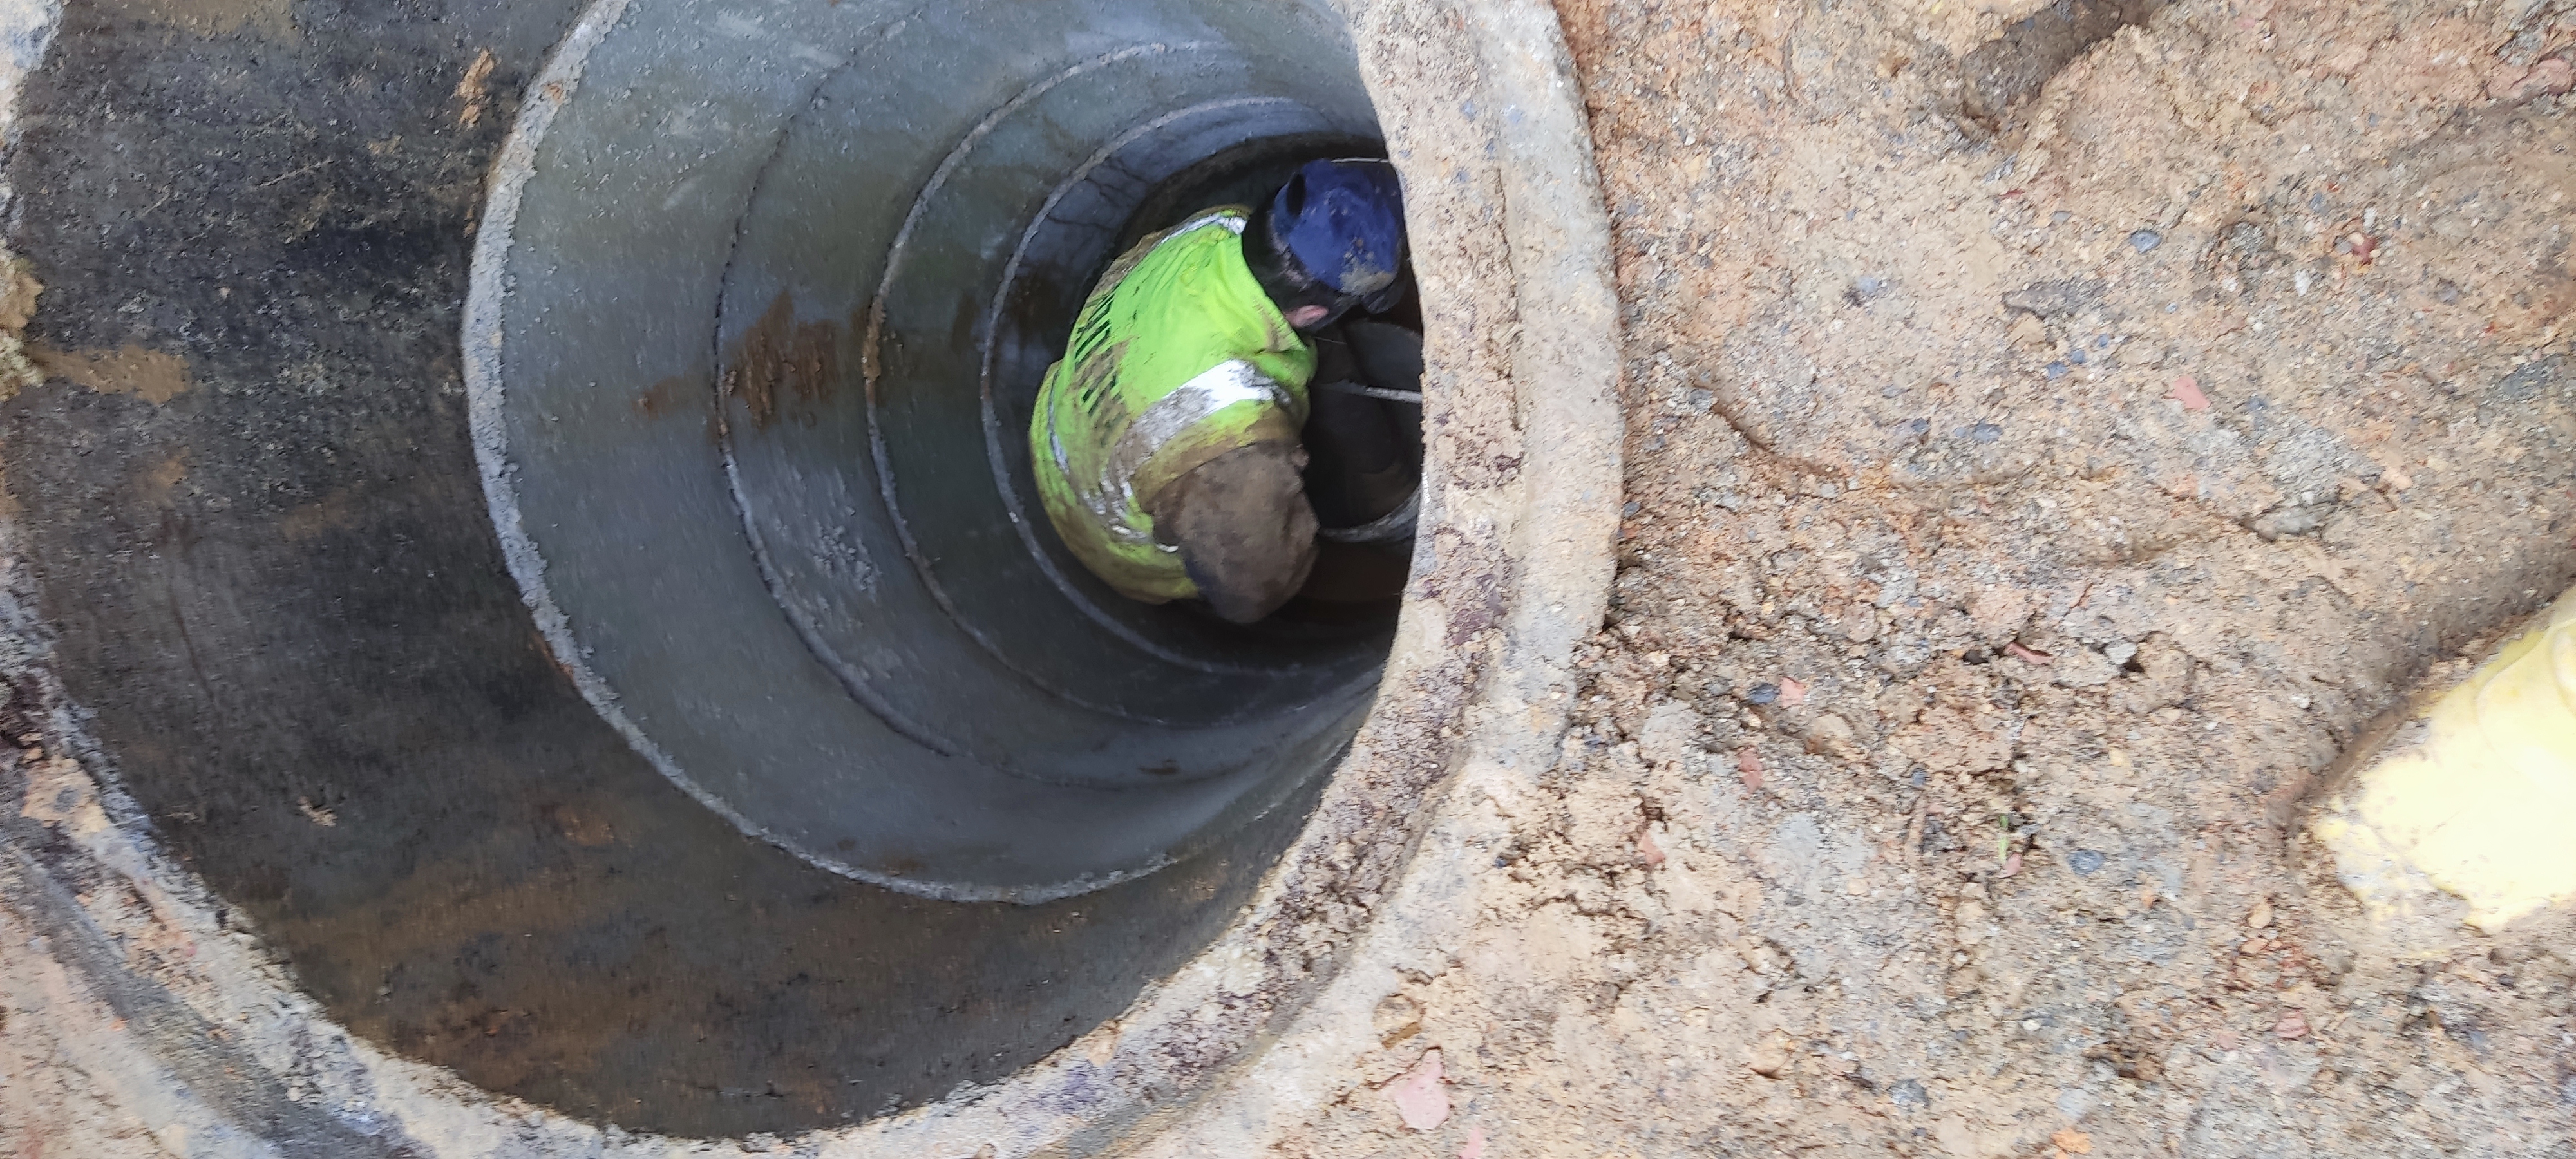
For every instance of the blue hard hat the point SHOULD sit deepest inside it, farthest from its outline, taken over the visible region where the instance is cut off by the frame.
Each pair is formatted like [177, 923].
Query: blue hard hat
[1344, 222]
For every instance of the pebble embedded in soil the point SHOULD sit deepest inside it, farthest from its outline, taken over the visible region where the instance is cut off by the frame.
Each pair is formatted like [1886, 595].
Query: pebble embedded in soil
[1421, 1099]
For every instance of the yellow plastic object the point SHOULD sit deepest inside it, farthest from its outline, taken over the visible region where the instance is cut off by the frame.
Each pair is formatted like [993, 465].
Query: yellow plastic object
[2482, 804]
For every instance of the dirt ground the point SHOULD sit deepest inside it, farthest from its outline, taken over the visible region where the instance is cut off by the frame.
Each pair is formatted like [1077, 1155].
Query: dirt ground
[2029, 498]
[2048, 451]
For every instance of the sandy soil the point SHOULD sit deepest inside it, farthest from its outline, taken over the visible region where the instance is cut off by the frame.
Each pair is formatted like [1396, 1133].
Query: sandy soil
[2024, 511]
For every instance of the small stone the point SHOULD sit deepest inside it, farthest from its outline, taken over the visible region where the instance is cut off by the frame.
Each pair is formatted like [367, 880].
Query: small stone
[1396, 1018]
[1793, 691]
[2293, 1025]
[2260, 916]
[1971, 923]
[2056, 298]
[2054, 370]
[2551, 75]
[2028, 330]
[1763, 693]
[2145, 239]
[1987, 432]
[2083, 668]
[1419, 1096]
[1769, 1057]
[2084, 862]
[2186, 390]
[1830, 735]
[2274, 526]
[1475, 1146]
[2072, 1142]
[1908, 1093]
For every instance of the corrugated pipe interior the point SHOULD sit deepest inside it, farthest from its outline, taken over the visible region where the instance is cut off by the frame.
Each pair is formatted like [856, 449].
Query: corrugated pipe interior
[804, 572]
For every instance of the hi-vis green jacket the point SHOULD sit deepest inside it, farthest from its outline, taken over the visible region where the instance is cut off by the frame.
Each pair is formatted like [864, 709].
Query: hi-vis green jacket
[1178, 357]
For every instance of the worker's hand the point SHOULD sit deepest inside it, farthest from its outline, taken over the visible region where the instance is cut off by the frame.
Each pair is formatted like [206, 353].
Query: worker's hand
[1246, 533]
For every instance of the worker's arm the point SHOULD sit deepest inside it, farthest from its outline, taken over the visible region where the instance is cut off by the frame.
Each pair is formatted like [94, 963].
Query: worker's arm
[1246, 533]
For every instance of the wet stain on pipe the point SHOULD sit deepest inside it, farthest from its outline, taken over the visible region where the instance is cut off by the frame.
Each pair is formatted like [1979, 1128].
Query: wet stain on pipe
[781, 357]
[664, 396]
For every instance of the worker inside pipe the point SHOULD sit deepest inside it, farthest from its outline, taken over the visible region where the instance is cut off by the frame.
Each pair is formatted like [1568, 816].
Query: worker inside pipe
[1234, 405]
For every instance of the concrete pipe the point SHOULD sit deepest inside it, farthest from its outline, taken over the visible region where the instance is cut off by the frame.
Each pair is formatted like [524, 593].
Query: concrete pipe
[759, 314]
[523, 561]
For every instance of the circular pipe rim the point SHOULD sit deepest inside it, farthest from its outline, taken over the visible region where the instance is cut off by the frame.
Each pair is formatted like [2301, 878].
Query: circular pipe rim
[1535, 241]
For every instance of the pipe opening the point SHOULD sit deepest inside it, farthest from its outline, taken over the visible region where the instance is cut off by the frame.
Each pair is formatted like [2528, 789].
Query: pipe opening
[805, 572]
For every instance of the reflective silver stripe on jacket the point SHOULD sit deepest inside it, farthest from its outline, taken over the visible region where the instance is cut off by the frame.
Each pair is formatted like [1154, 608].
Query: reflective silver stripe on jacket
[1232, 221]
